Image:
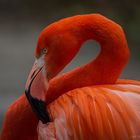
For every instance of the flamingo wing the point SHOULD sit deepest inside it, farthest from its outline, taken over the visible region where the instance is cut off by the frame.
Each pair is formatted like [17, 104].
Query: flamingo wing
[103, 112]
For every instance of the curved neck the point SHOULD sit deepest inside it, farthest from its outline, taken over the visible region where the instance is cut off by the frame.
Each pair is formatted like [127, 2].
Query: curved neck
[106, 68]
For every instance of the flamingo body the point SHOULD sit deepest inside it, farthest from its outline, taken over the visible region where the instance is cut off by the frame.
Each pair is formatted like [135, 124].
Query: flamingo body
[105, 112]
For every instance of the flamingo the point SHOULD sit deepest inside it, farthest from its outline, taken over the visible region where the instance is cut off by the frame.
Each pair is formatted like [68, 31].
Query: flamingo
[88, 102]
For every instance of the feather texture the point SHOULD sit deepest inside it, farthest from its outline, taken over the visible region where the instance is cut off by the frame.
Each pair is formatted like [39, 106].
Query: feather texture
[103, 112]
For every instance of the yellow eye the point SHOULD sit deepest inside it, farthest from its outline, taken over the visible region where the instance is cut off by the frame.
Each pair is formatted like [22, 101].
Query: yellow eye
[44, 51]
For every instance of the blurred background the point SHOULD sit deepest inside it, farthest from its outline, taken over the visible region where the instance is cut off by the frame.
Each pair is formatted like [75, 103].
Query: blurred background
[22, 20]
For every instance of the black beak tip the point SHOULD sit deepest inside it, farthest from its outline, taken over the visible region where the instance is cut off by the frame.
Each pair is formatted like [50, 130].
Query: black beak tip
[39, 107]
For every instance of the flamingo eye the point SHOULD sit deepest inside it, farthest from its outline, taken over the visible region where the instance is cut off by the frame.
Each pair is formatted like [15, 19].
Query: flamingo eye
[44, 51]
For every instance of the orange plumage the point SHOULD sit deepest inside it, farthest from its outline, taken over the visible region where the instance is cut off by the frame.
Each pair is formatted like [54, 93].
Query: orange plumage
[98, 112]
[87, 102]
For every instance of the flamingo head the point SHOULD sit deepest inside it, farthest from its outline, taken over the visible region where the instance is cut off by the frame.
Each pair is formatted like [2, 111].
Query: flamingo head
[52, 53]
[56, 47]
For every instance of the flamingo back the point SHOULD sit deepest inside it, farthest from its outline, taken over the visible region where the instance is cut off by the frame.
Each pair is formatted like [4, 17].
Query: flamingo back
[102, 112]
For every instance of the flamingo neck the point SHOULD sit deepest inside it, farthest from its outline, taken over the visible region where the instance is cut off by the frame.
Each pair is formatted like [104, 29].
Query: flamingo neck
[106, 68]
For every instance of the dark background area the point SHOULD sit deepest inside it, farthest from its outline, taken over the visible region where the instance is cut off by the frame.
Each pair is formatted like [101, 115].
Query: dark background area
[22, 20]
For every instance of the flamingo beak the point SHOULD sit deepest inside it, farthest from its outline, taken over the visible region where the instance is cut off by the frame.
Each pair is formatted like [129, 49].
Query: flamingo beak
[33, 73]
[35, 90]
